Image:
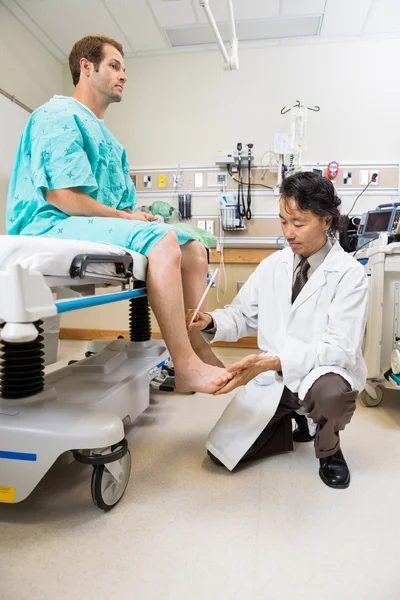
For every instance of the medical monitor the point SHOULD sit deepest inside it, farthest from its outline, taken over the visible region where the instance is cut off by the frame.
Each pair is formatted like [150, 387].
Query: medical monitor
[379, 220]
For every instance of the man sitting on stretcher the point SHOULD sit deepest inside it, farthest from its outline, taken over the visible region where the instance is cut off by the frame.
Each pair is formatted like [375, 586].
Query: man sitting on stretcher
[71, 181]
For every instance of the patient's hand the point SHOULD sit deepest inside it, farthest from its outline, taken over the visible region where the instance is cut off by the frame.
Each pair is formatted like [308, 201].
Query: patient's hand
[138, 216]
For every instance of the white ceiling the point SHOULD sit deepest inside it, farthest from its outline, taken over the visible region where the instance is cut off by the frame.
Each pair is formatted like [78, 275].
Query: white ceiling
[165, 26]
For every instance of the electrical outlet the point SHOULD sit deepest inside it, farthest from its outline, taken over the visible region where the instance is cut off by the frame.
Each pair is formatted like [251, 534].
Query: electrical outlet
[147, 181]
[364, 177]
[162, 181]
[177, 180]
[347, 177]
[201, 224]
[371, 173]
[210, 227]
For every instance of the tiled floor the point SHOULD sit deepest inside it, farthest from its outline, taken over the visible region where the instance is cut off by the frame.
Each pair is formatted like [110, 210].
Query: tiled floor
[187, 530]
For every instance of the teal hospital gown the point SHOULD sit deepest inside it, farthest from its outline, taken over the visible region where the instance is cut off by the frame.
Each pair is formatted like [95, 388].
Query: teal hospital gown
[65, 145]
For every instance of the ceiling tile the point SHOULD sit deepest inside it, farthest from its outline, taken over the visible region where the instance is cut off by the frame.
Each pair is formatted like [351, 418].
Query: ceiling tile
[384, 17]
[290, 8]
[138, 24]
[174, 13]
[243, 9]
[260, 29]
[343, 17]
[66, 21]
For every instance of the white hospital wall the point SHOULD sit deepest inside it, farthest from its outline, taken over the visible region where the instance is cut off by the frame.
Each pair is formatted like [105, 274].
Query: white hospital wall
[30, 73]
[180, 109]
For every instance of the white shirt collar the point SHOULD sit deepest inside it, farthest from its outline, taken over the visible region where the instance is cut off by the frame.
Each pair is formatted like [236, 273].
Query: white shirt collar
[316, 259]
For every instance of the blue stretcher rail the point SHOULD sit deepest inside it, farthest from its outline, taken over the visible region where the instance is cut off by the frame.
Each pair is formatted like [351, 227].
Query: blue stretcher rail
[64, 306]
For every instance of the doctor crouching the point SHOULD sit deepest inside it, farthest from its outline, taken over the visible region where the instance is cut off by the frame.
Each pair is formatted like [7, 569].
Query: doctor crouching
[308, 305]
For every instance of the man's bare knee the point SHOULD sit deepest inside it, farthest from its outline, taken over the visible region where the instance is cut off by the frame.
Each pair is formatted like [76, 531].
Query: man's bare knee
[168, 247]
[194, 254]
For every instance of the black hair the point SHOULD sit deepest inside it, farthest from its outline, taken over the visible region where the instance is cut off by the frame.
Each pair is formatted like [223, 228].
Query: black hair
[317, 194]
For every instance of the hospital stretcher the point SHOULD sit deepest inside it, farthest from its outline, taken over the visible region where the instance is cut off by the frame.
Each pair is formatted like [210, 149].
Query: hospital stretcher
[79, 411]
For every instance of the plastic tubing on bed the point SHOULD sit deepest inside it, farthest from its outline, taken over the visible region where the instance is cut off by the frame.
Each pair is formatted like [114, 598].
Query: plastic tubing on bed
[77, 303]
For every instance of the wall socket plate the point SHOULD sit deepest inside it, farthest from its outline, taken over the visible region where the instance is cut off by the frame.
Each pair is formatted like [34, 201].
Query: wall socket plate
[210, 227]
[147, 182]
[376, 182]
[201, 224]
[176, 180]
[347, 177]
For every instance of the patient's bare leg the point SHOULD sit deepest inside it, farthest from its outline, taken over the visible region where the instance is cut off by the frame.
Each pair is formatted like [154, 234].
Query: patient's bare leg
[194, 281]
[165, 293]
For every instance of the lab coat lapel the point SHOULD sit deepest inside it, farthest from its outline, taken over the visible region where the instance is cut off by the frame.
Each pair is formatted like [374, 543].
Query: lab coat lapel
[332, 262]
[288, 260]
[316, 281]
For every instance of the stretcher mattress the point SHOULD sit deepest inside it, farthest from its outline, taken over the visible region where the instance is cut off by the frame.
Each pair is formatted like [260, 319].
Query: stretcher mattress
[53, 257]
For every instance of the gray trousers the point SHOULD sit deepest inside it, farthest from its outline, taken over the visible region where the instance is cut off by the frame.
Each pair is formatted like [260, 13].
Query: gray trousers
[330, 403]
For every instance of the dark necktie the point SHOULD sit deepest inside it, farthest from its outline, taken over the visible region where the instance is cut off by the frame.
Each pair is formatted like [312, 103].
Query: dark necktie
[301, 278]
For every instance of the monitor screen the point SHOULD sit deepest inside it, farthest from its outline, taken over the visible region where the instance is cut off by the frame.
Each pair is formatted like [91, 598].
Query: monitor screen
[378, 221]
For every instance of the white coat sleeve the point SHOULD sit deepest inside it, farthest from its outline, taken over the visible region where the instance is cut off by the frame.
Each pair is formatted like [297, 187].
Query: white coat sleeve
[238, 319]
[340, 345]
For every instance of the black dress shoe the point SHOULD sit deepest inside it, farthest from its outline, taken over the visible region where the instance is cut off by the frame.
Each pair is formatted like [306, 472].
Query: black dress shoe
[334, 471]
[301, 433]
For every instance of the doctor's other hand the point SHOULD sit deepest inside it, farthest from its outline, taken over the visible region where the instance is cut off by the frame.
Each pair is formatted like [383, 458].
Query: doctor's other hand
[138, 216]
[201, 320]
[246, 370]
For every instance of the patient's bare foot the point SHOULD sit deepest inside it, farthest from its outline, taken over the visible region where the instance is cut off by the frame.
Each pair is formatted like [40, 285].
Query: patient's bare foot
[204, 350]
[196, 376]
[208, 357]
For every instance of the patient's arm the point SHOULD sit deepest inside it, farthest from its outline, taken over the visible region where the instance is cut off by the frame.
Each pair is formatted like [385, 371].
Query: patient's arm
[75, 203]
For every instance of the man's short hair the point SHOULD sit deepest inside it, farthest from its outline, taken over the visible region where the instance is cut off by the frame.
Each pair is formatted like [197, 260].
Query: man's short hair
[314, 193]
[91, 48]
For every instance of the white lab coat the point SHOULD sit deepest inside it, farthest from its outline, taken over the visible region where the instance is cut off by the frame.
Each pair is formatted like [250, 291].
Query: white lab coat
[320, 333]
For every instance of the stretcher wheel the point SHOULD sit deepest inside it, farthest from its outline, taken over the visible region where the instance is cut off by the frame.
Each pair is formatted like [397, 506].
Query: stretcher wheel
[368, 400]
[106, 491]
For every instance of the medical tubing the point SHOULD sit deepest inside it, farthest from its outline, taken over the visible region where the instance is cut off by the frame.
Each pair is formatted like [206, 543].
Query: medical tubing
[139, 317]
[268, 187]
[22, 367]
[361, 193]
[366, 244]
[248, 209]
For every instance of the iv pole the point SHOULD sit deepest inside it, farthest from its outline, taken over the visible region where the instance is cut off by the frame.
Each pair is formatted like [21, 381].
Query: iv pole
[231, 61]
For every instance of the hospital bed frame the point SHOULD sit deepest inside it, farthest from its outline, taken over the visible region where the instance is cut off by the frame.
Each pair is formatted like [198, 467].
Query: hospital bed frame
[77, 412]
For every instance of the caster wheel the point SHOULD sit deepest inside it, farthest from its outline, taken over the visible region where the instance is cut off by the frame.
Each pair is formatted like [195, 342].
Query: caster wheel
[72, 362]
[88, 354]
[370, 401]
[106, 491]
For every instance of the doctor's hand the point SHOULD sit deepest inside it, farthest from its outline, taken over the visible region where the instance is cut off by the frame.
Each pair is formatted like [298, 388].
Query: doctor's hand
[201, 320]
[246, 370]
[138, 216]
